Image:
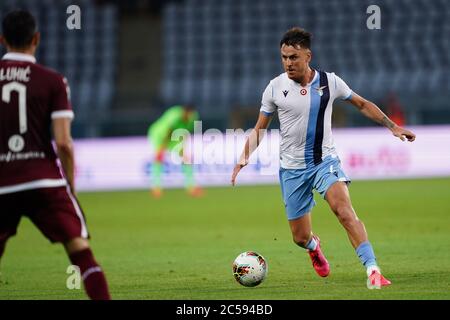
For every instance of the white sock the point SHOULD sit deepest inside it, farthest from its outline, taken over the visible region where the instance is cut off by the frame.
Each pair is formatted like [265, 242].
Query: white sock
[311, 245]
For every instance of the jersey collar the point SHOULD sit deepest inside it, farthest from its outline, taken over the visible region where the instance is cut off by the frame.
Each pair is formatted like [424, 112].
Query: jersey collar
[316, 74]
[16, 56]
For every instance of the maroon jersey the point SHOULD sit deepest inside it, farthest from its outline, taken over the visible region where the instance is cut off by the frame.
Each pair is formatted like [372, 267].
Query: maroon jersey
[30, 97]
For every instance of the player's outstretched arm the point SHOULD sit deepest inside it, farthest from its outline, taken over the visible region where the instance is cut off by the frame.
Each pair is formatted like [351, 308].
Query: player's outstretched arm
[371, 111]
[64, 148]
[251, 144]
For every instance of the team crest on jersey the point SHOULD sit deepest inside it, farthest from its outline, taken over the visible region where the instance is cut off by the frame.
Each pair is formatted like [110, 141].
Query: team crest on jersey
[285, 92]
[303, 92]
[320, 90]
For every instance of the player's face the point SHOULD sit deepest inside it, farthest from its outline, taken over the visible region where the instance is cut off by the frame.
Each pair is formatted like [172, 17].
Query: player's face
[295, 61]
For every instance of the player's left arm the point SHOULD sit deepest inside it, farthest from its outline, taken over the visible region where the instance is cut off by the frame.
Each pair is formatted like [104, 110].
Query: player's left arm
[371, 111]
[62, 115]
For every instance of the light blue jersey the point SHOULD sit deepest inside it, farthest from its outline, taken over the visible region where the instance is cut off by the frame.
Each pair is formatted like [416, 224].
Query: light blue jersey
[305, 116]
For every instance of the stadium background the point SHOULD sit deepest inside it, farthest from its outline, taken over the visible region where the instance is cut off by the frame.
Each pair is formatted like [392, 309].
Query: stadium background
[133, 59]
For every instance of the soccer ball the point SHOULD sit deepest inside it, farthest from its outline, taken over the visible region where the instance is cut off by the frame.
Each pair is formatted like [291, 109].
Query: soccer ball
[250, 269]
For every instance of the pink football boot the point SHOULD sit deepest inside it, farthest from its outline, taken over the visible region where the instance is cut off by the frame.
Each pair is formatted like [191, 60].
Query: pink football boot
[376, 280]
[319, 261]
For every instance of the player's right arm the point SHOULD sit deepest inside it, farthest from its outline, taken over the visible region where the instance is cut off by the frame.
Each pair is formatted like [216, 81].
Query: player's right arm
[268, 107]
[64, 148]
[252, 143]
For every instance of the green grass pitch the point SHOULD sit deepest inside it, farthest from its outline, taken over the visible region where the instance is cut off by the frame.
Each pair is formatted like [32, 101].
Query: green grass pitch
[182, 248]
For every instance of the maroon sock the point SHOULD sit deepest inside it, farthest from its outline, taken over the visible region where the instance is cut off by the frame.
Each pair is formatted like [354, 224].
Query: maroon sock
[93, 277]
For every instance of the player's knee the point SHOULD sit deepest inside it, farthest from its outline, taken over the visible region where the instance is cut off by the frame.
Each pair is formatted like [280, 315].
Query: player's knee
[76, 244]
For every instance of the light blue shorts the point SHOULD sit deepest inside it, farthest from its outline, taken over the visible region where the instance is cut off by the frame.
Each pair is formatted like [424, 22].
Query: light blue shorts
[297, 185]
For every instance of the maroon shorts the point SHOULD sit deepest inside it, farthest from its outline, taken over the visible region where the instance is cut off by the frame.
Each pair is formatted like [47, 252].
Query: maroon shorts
[54, 211]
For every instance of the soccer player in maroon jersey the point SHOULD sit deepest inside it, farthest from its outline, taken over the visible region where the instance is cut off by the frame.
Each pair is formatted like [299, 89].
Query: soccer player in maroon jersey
[33, 101]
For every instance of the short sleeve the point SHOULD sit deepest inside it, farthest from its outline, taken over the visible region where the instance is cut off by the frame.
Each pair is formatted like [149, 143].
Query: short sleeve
[267, 104]
[342, 90]
[60, 101]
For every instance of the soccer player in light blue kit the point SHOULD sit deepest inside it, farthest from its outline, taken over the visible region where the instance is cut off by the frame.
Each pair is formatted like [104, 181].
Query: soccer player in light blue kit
[303, 98]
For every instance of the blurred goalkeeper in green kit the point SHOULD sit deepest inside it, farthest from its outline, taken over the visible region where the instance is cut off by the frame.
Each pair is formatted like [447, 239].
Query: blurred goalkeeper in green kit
[159, 135]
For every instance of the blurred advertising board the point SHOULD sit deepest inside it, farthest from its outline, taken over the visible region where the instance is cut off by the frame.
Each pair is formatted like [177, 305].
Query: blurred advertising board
[366, 153]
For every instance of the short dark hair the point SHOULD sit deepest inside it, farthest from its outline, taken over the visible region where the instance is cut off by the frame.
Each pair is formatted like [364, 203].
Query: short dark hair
[18, 28]
[297, 37]
[189, 107]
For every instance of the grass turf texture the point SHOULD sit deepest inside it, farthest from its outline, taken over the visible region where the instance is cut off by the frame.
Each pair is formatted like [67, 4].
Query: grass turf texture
[182, 248]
